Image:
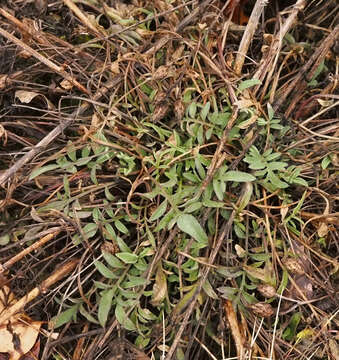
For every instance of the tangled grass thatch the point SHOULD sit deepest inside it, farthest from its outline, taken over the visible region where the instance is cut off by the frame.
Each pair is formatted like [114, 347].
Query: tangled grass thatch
[171, 169]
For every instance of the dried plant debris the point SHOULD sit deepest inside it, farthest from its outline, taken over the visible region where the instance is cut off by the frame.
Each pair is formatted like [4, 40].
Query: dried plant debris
[169, 179]
[19, 333]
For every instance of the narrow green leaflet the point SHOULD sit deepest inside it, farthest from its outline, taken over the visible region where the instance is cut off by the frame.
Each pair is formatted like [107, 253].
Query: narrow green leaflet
[219, 189]
[291, 330]
[134, 281]
[325, 162]
[190, 225]
[127, 258]
[4, 240]
[104, 270]
[87, 315]
[248, 83]
[209, 290]
[90, 230]
[41, 170]
[146, 314]
[122, 245]
[193, 207]
[65, 317]
[120, 226]
[185, 300]
[105, 305]
[113, 260]
[108, 194]
[123, 319]
[192, 109]
[245, 196]
[205, 110]
[159, 211]
[237, 176]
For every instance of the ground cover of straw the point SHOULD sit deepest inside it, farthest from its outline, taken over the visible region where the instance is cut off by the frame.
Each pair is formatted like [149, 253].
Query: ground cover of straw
[169, 179]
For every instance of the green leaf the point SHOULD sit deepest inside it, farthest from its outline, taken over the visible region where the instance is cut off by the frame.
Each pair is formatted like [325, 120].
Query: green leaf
[300, 181]
[199, 167]
[189, 225]
[209, 290]
[159, 211]
[191, 177]
[141, 342]
[105, 305]
[122, 245]
[180, 354]
[43, 169]
[192, 109]
[228, 292]
[277, 126]
[248, 83]
[270, 111]
[251, 299]
[186, 299]
[94, 174]
[128, 294]
[87, 315]
[146, 314]
[276, 181]
[272, 156]
[284, 282]
[66, 186]
[4, 239]
[104, 270]
[213, 204]
[325, 162]
[72, 154]
[108, 194]
[110, 234]
[200, 135]
[101, 286]
[165, 220]
[245, 196]
[319, 70]
[123, 319]
[218, 187]
[65, 316]
[134, 281]
[127, 257]
[205, 110]
[290, 331]
[228, 272]
[90, 230]
[113, 260]
[237, 176]
[261, 122]
[120, 226]
[277, 165]
[193, 207]
[255, 164]
[239, 231]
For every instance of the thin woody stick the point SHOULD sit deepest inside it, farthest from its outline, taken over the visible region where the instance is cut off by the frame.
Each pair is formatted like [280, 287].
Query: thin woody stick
[300, 81]
[43, 59]
[26, 251]
[41, 37]
[235, 328]
[248, 35]
[55, 132]
[277, 43]
[56, 276]
[82, 17]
